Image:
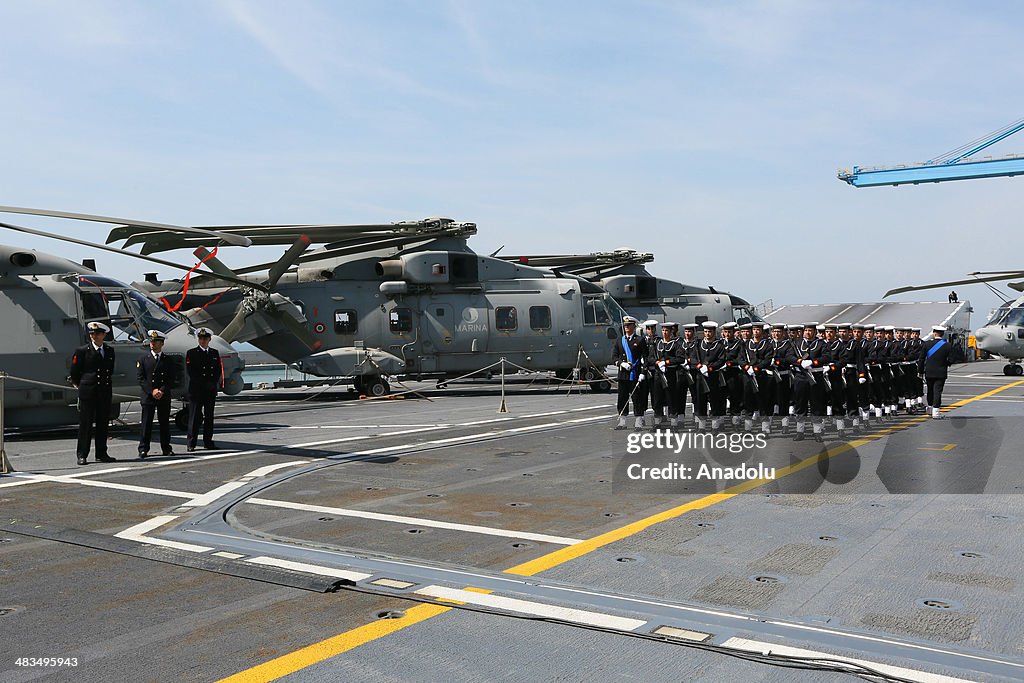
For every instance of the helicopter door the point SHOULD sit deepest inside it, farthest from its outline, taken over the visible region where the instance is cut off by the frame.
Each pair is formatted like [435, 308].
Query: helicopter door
[438, 334]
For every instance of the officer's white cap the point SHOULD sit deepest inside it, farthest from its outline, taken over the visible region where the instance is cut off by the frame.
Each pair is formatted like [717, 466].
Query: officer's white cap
[729, 326]
[709, 325]
[820, 328]
[650, 323]
[97, 327]
[155, 335]
[814, 325]
[889, 328]
[204, 332]
[628, 320]
[938, 328]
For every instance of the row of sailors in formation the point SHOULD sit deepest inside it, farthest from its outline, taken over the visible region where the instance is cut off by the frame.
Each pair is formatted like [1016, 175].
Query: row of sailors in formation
[754, 372]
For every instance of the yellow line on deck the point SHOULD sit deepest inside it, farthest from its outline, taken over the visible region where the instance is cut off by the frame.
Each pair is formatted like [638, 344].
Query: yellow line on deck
[325, 649]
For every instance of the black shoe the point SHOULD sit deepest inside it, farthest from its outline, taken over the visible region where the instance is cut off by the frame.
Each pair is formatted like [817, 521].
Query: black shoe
[799, 436]
[819, 438]
[191, 449]
[210, 446]
[82, 460]
[167, 454]
[143, 454]
[105, 458]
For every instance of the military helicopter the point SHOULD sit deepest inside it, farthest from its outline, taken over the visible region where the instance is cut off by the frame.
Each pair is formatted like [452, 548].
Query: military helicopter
[622, 274]
[408, 298]
[45, 303]
[1003, 334]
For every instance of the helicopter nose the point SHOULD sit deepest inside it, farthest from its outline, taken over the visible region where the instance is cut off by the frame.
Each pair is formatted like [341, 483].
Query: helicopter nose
[985, 338]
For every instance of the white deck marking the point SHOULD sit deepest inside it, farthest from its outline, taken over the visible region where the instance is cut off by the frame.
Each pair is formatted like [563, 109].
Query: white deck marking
[264, 471]
[309, 568]
[533, 608]
[211, 496]
[417, 521]
[137, 533]
[902, 672]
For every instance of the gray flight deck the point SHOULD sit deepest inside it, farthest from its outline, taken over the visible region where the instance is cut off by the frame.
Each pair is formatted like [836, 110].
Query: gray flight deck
[435, 538]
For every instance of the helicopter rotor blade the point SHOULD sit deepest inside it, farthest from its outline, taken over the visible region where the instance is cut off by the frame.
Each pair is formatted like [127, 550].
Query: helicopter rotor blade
[227, 238]
[300, 331]
[969, 281]
[232, 329]
[93, 245]
[287, 260]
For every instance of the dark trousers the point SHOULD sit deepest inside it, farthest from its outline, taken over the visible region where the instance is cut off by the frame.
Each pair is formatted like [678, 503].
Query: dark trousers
[627, 387]
[935, 385]
[808, 398]
[200, 410]
[784, 394]
[734, 389]
[765, 396]
[688, 388]
[93, 411]
[162, 409]
[837, 396]
[665, 394]
[854, 392]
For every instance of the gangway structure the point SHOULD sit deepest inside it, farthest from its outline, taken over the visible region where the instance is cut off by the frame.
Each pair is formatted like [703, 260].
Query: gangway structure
[957, 164]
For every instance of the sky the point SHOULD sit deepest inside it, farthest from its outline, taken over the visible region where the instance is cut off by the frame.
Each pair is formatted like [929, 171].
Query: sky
[707, 133]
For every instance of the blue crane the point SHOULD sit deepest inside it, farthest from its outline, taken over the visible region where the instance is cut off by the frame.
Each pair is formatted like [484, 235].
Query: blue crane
[953, 165]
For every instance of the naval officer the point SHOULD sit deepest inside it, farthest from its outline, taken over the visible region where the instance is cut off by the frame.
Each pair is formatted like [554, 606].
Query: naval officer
[155, 372]
[205, 376]
[630, 355]
[92, 370]
[936, 357]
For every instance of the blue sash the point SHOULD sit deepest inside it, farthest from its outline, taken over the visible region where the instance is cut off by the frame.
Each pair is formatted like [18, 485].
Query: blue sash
[938, 345]
[629, 357]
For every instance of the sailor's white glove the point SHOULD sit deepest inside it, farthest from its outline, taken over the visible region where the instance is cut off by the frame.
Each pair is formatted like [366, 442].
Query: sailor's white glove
[661, 364]
[750, 371]
[704, 370]
[861, 380]
[626, 365]
[806, 364]
[641, 377]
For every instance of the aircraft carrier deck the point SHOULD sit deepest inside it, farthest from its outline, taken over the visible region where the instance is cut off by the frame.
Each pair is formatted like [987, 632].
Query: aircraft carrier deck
[438, 539]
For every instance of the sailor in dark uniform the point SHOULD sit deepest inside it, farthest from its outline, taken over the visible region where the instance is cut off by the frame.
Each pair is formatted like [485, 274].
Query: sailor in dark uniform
[757, 390]
[205, 378]
[917, 380]
[710, 363]
[936, 357]
[155, 372]
[92, 370]
[871, 357]
[808, 385]
[835, 363]
[854, 371]
[651, 338]
[629, 355]
[732, 373]
[783, 360]
[688, 374]
[668, 364]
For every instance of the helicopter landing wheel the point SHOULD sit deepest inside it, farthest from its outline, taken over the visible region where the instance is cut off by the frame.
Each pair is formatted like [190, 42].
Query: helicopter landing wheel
[181, 420]
[377, 387]
[601, 387]
[1018, 370]
[1012, 369]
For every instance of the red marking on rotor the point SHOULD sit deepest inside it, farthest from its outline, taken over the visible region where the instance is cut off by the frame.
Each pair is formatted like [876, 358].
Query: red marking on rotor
[188, 276]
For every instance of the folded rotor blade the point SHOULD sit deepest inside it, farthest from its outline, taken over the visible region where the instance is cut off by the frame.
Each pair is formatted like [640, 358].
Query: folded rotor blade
[232, 329]
[300, 331]
[968, 281]
[286, 261]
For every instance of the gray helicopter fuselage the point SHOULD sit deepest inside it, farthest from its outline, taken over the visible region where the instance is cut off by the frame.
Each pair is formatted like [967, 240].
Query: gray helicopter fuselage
[1003, 334]
[453, 312]
[646, 297]
[45, 303]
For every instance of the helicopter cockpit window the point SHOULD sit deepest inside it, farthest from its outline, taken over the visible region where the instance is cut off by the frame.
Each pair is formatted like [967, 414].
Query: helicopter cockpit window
[123, 326]
[540, 318]
[345, 322]
[151, 316]
[400, 320]
[1015, 316]
[595, 312]
[999, 315]
[505, 318]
